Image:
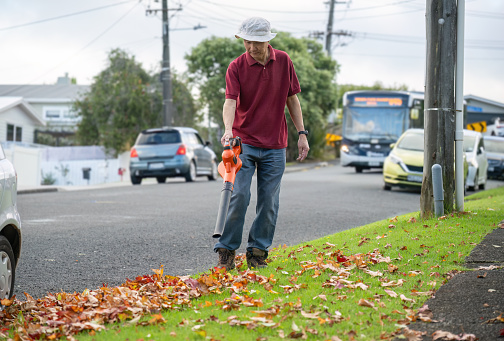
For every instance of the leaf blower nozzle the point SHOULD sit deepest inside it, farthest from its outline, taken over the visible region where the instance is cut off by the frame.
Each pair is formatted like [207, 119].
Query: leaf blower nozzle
[229, 166]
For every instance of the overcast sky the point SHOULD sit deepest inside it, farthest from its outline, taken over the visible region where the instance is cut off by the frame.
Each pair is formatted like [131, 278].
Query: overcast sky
[42, 40]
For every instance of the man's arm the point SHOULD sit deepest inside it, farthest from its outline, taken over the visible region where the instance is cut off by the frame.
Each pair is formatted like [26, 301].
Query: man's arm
[228, 116]
[297, 118]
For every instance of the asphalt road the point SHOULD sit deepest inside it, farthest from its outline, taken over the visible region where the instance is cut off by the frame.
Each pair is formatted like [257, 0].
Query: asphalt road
[74, 240]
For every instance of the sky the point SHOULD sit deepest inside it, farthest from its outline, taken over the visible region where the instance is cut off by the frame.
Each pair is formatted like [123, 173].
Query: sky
[385, 40]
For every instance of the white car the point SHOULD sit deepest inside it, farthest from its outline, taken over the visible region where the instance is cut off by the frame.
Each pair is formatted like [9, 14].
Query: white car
[474, 149]
[10, 227]
[495, 129]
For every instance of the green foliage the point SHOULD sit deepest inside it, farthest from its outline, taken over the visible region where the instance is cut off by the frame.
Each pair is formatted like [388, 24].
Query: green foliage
[208, 62]
[207, 65]
[47, 179]
[123, 100]
[119, 105]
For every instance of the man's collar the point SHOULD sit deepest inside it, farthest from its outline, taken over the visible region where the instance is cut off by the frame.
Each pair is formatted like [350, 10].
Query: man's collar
[251, 61]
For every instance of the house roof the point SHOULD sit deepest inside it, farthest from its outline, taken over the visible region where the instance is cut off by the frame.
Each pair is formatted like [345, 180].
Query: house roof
[9, 102]
[484, 100]
[45, 93]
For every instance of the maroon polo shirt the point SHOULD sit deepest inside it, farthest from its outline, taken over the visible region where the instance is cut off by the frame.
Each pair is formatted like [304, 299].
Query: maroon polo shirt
[261, 94]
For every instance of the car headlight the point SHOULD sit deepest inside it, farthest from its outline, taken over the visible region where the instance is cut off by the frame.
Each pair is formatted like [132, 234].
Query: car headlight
[395, 159]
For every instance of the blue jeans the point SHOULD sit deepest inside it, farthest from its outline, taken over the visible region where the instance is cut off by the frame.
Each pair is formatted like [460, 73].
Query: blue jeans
[270, 164]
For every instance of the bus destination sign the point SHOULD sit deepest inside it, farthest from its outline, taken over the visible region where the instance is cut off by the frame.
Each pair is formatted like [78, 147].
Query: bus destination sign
[378, 101]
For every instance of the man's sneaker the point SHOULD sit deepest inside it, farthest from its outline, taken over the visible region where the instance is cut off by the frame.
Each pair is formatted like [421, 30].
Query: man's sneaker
[256, 258]
[226, 259]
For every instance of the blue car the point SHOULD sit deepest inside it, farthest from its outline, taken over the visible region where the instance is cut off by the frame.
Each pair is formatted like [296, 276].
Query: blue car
[171, 152]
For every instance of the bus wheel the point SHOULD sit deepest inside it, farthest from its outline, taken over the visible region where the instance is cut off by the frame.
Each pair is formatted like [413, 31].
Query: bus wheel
[358, 169]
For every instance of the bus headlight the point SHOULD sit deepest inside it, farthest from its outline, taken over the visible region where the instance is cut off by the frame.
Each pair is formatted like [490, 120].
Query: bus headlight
[344, 148]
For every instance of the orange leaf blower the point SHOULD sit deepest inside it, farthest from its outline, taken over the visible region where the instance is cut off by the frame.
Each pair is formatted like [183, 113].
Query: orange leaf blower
[229, 166]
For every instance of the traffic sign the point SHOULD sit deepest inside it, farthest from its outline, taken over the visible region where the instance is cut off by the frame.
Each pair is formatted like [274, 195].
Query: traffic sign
[478, 126]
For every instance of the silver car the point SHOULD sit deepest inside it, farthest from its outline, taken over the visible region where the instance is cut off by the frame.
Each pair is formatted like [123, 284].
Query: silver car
[474, 149]
[171, 152]
[10, 227]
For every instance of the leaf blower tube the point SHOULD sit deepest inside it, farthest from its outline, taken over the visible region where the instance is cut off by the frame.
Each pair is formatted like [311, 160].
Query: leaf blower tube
[229, 166]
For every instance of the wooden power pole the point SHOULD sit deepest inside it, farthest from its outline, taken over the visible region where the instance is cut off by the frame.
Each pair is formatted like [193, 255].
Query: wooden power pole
[439, 118]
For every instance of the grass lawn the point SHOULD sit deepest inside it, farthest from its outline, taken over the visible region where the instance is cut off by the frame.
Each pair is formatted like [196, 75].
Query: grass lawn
[363, 284]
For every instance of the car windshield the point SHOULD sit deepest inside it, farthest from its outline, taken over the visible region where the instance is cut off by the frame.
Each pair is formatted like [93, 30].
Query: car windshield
[159, 137]
[363, 124]
[494, 146]
[469, 143]
[412, 141]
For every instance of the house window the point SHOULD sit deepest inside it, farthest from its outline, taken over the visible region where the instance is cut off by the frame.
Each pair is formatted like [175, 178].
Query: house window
[62, 113]
[14, 133]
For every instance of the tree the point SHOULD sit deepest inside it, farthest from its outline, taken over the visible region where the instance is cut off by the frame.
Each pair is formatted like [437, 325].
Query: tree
[208, 62]
[124, 100]
[119, 104]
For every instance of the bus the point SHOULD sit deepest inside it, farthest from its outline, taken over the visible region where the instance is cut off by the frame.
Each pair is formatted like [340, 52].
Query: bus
[372, 121]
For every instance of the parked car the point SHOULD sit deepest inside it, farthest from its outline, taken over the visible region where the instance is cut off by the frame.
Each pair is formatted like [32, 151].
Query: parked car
[474, 149]
[171, 152]
[495, 155]
[496, 128]
[10, 227]
[403, 167]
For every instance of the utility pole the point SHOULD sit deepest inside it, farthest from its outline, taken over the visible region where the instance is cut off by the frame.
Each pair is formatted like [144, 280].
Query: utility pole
[439, 112]
[329, 31]
[165, 69]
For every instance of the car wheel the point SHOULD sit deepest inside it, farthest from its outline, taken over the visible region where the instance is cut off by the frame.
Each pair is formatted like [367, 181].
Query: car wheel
[214, 174]
[161, 179]
[7, 269]
[358, 169]
[136, 180]
[191, 174]
[387, 187]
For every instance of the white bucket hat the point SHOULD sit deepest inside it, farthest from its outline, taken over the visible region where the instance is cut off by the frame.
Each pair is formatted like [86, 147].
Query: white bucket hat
[255, 29]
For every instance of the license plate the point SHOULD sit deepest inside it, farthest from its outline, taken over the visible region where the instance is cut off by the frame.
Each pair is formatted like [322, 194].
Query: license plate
[157, 165]
[374, 163]
[490, 169]
[414, 178]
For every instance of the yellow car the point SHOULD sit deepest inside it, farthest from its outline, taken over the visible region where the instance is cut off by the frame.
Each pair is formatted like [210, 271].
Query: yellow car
[403, 167]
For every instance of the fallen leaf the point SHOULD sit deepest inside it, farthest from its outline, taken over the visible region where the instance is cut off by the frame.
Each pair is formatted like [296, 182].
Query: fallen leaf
[391, 293]
[365, 303]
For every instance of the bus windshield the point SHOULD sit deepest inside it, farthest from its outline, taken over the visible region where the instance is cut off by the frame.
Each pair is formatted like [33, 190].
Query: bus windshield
[364, 124]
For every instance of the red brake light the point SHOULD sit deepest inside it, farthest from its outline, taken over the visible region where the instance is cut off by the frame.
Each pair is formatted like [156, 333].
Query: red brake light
[181, 150]
[133, 153]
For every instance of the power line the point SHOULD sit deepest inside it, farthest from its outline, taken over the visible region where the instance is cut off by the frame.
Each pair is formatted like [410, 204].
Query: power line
[82, 49]
[62, 16]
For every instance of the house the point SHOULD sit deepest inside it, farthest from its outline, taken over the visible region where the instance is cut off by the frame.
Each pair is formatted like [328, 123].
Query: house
[18, 120]
[481, 109]
[53, 103]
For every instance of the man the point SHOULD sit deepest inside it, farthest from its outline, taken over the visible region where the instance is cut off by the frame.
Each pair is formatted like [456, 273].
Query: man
[259, 84]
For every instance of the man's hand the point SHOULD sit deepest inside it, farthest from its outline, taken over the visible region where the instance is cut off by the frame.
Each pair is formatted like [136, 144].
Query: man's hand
[303, 147]
[228, 134]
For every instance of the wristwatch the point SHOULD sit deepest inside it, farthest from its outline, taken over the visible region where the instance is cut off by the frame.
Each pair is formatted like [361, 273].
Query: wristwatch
[303, 132]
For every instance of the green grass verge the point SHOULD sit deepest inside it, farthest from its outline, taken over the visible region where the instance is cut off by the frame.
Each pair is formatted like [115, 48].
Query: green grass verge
[333, 287]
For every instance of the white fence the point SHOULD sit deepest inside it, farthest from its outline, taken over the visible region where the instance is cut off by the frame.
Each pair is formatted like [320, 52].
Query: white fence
[65, 166]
